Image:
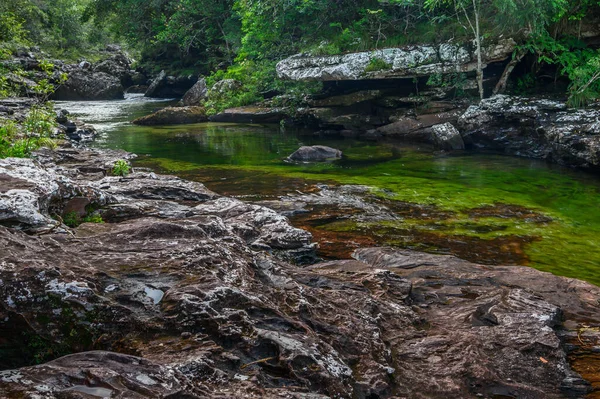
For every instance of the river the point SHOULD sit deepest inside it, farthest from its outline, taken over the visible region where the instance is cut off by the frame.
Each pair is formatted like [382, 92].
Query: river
[487, 208]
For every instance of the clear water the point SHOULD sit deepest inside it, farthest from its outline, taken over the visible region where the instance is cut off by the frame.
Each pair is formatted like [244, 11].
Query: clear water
[487, 208]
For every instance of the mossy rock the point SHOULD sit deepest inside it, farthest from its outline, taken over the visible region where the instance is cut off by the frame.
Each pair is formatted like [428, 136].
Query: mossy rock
[174, 116]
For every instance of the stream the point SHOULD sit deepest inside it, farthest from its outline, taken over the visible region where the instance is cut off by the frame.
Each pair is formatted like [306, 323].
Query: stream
[487, 208]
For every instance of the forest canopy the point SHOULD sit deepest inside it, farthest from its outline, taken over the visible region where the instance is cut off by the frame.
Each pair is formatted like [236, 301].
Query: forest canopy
[243, 39]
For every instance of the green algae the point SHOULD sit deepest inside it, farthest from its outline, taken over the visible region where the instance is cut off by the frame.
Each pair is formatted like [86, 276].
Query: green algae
[248, 161]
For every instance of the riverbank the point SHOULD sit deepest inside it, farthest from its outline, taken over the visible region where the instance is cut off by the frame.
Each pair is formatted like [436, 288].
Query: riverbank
[193, 285]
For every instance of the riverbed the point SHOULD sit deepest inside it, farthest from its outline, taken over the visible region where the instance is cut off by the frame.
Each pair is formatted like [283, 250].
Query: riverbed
[487, 208]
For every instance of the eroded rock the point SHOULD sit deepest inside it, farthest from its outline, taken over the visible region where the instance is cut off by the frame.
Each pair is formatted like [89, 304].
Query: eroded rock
[535, 128]
[405, 62]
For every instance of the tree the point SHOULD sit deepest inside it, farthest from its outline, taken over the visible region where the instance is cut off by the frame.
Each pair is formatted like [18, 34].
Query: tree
[471, 10]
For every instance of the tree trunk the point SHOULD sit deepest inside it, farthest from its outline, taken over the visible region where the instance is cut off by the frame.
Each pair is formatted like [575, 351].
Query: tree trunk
[501, 85]
[479, 55]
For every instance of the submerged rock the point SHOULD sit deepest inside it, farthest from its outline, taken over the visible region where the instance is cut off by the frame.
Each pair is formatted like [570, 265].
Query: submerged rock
[174, 116]
[315, 153]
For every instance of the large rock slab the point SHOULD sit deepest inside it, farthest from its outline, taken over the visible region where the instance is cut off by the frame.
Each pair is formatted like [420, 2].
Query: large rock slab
[174, 116]
[405, 62]
[535, 128]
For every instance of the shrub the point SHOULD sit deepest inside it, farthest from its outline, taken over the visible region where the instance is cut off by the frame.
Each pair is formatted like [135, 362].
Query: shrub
[121, 168]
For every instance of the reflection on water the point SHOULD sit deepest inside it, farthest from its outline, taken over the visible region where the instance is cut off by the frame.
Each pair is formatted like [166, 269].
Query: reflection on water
[497, 209]
[109, 115]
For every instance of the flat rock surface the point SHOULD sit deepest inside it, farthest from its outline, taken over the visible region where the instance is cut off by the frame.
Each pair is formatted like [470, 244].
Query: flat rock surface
[185, 297]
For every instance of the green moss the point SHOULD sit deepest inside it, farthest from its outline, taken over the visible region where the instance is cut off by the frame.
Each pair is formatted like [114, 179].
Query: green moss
[244, 160]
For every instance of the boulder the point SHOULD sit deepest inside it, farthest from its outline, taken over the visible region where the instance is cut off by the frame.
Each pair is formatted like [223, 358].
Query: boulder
[118, 65]
[447, 137]
[87, 85]
[197, 94]
[535, 128]
[174, 116]
[223, 88]
[404, 62]
[315, 153]
[164, 86]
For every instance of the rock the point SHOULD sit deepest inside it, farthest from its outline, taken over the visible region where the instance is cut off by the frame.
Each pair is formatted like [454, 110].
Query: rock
[446, 137]
[535, 128]
[86, 85]
[252, 114]
[174, 116]
[196, 305]
[164, 86]
[345, 100]
[223, 88]
[315, 153]
[30, 194]
[85, 65]
[405, 62]
[98, 374]
[417, 129]
[137, 89]
[118, 65]
[197, 94]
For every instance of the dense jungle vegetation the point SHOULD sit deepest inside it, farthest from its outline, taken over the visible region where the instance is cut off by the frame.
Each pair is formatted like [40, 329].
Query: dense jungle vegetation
[243, 39]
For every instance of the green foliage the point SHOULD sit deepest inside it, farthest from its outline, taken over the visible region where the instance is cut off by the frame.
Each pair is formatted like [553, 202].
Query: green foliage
[455, 81]
[121, 168]
[71, 219]
[93, 218]
[35, 132]
[378, 64]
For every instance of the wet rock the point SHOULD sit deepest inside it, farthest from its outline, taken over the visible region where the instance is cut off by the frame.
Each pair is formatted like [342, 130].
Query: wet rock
[86, 85]
[174, 116]
[447, 137]
[197, 94]
[189, 294]
[30, 194]
[252, 114]
[405, 62]
[535, 128]
[315, 153]
[98, 374]
[164, 86]
[142, 185]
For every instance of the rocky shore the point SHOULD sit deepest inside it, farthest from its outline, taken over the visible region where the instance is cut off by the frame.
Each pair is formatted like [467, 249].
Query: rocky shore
[182, 293]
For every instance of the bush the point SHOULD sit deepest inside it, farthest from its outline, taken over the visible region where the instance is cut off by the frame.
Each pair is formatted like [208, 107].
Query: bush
[121, 168]
[35, 132]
